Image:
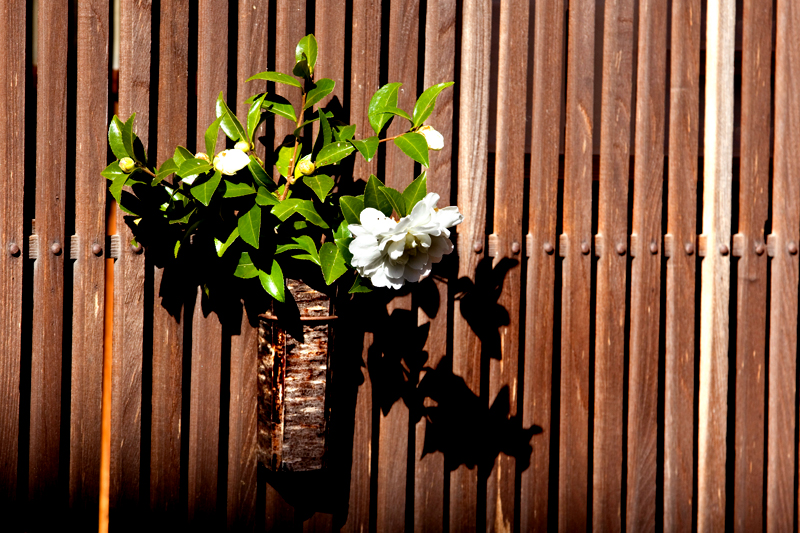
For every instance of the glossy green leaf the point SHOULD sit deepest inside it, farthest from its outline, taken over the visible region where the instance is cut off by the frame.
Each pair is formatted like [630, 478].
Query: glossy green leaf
[367, 148]
[322, 88]
[193, 167]
[277, 77]
[254, 118]
[301, 70]
[344, 133]
[333, 153]
[352, 206]
[384, 97]
[264, 197]
[415, 192]
[332, 262]
[305, 208]
[235, 190]
[281, 248]
[222, 247]
[342, 237]
[245, 269]
[396, 111]
[205, 191]
[181, 155]
[307, 49]
[279, 106]
[373, 197]
[167, 167]
[211, 137]
[115, 138]
[426, 103]
[299, 131]
[360, 285]
[128, 137]
[414, 146]
[285, 158]
[112, 171]
[320, 184]
[395, 199]
[177, 248]
[273, 282]
[230, 124]
[116, 186]
[249, 225]
[260, 176]
[307, 243]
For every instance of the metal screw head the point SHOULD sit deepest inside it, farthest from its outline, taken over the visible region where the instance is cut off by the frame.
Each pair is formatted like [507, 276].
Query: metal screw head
[13, 249]
[136, 249]
[759, 249]
[477, 247]
[792, 248]
[97, 249]
[723, 249]
[585, 248]
[515, 247]
[653, 248]
[548, 248]
[621, 249]
[689, 247]
[56, 248]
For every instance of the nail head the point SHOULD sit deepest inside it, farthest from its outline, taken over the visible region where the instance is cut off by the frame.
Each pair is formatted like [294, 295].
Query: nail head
[759, 249]
[689, 247]
[56, 248]
[515, 247]
[136, 249]
[621, 249]
[585, 249]
[548, 248]
[477, 247]
[653, 248]
[97, 249]
[13, 249]
[792, 248]
[723, 249]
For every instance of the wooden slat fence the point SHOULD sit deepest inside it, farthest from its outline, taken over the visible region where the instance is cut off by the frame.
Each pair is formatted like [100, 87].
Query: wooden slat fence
[612, 346]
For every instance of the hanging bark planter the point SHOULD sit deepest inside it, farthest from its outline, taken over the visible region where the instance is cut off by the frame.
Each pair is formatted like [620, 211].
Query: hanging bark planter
[294, 348]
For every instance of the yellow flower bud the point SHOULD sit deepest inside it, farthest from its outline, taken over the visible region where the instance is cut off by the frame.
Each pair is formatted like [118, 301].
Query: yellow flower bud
[203, 156]
[244, 146]
[126, 164]
[306, 167]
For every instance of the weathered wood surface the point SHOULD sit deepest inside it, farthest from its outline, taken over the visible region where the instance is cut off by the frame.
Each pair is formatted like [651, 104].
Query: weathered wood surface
[751, 319]
[645, 249]
[87, 249]
[12, 248]
[679, 249]
[48, 270]
[781, 466]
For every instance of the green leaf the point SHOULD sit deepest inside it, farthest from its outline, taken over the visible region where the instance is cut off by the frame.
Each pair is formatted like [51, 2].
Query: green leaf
[301, 70]
[211, 137]
[277, 77]
[245, 269]
[359, 285]
[373, 197]
[384, 97]
[128, 137]
[322, 88]
[260, 176]
[307, 243]
[205, 191]
[414, 146]
[426, 103]
[281, 248]
[167, 168]
[234, 190]
[342, 237]
[230, 124]
[285, 154]
[181, 155]
[332, 262]
[351, 208]
[112, 171]
[395, 199]
[288, 207]
[273, 282]
[307, 49]
[344, 133]
[333, 153]
[254, 118]
[298, 131]
[415, 192]
[367, 148]
[115, 138]
[279, 106]
[193, 167]
[222, 247]
[396, 111]
[116, 186]
[249, 226]
[320, 184]
[264, 197]
[177, 248]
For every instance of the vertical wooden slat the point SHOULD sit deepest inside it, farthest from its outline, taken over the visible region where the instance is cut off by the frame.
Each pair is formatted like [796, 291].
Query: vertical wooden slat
[473, 146]
[714, 296]
[440, 20]
[165, 450]
[129, 273]
[204, 403]
[679, 246]
[329, 29]
[48, 270]
[89, 268]
[508, 239]
[573, 453]
[646, 268]
[290, 26]
[781, 468]
[611, 266]
[752, 269]
[12, 245]
[542, 218]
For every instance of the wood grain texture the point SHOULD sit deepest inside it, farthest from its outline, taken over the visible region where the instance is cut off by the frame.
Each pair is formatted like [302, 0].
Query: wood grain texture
[204, 402]
[473, 146]
[781, 467]
[611, 266]
[440, 28]
[573, 453]
[251, 58]
[679, 391]
[12, 159]
[89, 268]
[48, 269]
[752, 268]
[165, 449]
[330, 30]
[714, 296]
[646, 269]
[290, 26]
[548, 65]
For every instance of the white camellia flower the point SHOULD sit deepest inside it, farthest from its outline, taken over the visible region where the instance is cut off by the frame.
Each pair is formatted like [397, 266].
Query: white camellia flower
[229, 162]
[432, 137]
[392, 252]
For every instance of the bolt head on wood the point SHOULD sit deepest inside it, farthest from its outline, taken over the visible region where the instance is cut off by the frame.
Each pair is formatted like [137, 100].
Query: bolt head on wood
[585, 248]
[136, 249]
[760, 249]
[723, 249]
[548, 248]
[689, 247]
[621, 249]
[97, 249]
[13, 249]
[792, 248]
[653, 248]
[56, 248]
[515, 247]
[477, 247]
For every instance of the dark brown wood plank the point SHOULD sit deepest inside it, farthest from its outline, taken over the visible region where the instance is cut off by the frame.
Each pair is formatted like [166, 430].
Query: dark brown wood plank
[165, 449]
[440, 26]
[646, 268]
[679, 247]
[48, 270]
[129, 274]
[615, 118]
[473, 146]
[573, 453]
[715, 296]
[329, 29]
[542, 217]
[12, 246]
[781, 467]
[89, 267]
[204, 402]
[752, 268]
[252, 53]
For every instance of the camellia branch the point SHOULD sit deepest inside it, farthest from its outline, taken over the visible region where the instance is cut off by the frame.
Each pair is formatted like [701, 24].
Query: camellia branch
[290, 173]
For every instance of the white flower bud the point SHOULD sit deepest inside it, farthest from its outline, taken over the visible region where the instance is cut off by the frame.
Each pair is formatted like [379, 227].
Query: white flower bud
[432, 137]
[229, 162]
[203, 156]
[126, 164]
[244, 146]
